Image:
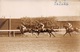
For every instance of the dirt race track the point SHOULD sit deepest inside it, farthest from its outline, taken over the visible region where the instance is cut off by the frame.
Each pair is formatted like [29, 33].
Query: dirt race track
[43, 43]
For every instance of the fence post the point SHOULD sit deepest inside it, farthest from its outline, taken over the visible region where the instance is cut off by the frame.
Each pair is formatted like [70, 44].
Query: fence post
[9, 27]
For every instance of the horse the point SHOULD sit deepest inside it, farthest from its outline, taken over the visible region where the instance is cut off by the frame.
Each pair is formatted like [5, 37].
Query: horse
[38, 31]
[23, 29]
[70, 30]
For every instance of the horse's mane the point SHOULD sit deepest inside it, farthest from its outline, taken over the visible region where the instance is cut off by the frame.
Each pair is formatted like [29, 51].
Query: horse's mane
[65, 26]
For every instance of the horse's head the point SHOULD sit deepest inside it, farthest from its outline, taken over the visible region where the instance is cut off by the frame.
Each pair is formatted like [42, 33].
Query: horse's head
[76, 29]
[65, 26]
[18, 27]
[22, 28]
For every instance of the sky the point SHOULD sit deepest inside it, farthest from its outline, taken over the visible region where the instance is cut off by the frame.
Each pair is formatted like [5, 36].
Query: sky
[37, 8]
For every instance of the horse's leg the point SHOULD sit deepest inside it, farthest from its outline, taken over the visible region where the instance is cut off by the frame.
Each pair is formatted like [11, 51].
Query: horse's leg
[52, 34]
[38, 34]
[49, 34]
[34, 34]
[69, 34]
[65, 34]
[22, 33]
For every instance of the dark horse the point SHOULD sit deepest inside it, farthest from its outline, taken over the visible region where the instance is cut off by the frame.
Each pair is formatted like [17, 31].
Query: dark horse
[69, 30]
[38, 31]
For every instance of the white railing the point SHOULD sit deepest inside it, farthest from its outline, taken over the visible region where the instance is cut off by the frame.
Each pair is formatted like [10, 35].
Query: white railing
[61, 31]
[8, 30]
[13, 31]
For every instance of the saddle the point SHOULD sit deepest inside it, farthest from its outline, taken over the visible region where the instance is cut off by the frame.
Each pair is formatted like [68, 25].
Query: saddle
[42, 29]
[70, 29]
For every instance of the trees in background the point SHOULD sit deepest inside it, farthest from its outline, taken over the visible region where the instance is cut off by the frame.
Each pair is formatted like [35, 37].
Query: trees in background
[49, 22]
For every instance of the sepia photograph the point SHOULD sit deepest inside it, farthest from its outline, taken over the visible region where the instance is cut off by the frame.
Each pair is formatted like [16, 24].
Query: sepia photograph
[39, 26]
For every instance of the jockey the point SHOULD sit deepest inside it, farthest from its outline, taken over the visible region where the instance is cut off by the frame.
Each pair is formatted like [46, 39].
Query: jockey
[42, 26]
[70, 26]
[23, 27]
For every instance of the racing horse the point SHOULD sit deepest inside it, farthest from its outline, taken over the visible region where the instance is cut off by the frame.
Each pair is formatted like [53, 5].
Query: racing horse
[70, 30]
[47, 30]
[23, 29]
[37, 31]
